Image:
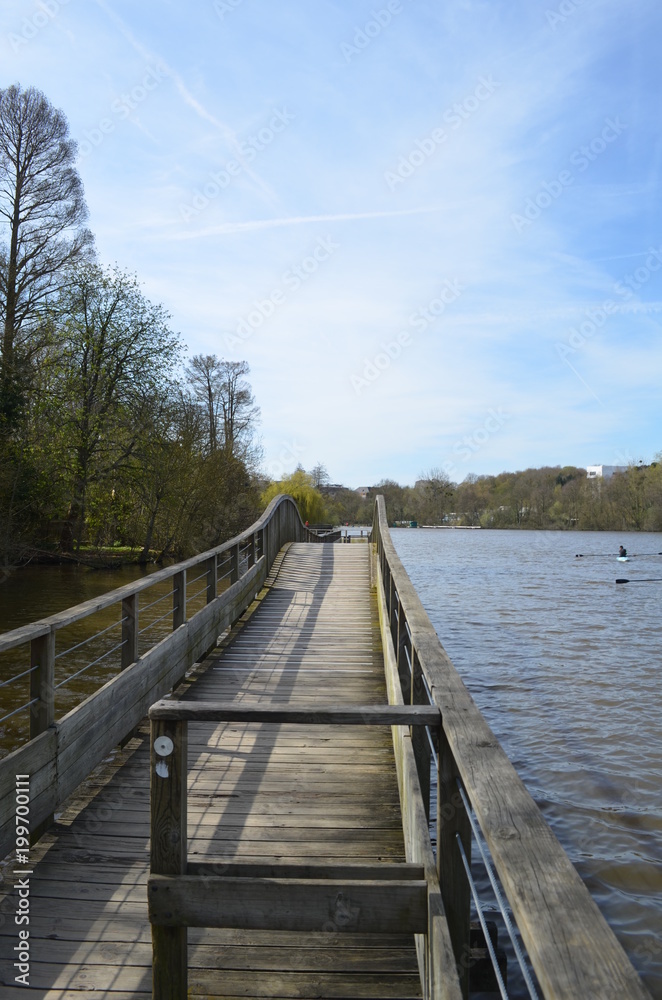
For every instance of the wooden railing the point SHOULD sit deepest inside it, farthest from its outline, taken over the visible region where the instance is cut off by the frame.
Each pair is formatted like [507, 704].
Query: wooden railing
[62, 752]
[389, 898]
[573, 952]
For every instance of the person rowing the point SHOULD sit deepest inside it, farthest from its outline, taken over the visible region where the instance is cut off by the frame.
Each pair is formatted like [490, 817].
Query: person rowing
[622, 552]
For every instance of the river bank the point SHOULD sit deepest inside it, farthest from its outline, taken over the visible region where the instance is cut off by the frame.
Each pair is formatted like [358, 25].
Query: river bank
[111, 557]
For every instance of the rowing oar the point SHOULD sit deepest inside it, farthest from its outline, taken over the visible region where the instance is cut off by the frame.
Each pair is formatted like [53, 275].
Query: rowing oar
[646, 579]
[599, 555]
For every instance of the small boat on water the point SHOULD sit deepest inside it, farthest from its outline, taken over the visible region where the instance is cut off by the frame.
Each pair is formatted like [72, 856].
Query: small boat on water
[623, 558]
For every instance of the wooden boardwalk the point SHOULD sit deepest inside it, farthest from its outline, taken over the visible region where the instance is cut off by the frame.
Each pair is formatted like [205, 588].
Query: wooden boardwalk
[256, 792]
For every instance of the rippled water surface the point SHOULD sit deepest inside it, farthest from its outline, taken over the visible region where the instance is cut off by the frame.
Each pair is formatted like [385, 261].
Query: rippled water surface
[566, 665]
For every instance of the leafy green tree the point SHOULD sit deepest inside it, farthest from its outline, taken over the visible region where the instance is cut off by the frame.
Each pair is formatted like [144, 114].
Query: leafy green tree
[300, 486]
[435, 495]
[115, 356]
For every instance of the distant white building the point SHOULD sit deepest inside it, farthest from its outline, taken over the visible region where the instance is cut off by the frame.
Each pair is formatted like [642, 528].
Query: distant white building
[603, 471]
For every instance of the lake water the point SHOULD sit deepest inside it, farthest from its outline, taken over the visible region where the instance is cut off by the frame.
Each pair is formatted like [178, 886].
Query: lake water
[566, 665]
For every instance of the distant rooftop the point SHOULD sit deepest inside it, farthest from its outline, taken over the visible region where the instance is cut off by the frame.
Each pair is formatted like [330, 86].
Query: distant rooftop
[603, 471]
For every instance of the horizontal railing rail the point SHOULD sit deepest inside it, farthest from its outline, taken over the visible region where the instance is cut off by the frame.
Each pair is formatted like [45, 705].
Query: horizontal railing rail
[61, 752]
[573, 951]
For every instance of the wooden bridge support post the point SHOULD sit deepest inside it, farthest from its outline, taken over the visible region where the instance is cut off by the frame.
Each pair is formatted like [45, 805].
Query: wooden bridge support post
[178, 599]
[129, 631]
[251, 551]
[42, 713]
[452, 820]
[212, 573]
[168, 850]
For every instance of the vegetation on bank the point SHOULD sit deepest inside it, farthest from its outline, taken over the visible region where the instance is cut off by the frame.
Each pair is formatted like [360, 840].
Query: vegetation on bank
[107, 436]
[549, 498]
[552, 498]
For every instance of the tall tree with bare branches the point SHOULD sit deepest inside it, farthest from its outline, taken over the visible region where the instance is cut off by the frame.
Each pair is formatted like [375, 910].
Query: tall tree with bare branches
[221, 388]
[42, 228]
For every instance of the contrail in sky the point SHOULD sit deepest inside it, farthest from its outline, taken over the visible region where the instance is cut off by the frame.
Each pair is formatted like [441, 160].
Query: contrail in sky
[299, 220]
[228, 134]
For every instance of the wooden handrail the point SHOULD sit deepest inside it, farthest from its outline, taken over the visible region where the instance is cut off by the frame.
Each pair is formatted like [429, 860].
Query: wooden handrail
[62, 752]
[19, 636]
[573, 951]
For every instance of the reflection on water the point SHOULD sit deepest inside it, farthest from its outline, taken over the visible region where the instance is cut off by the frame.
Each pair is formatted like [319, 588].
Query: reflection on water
[565, 664]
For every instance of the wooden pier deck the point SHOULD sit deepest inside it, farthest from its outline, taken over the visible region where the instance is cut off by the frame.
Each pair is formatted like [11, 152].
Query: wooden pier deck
[255, 793]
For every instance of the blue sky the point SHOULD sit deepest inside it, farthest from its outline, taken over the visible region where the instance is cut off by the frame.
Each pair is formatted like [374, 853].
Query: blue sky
[431, 228]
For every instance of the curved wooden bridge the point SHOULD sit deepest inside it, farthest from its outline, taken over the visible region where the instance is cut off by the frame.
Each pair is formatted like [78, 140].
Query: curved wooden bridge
[298, 708]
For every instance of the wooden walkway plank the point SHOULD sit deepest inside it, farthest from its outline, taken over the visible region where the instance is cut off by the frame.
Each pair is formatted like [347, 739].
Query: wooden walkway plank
[268, 793]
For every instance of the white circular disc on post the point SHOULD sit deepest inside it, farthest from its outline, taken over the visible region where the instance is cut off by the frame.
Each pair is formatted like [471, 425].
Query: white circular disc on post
[163, 746]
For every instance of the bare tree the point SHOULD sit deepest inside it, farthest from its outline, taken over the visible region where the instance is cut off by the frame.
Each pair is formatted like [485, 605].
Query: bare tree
[221, 388]
[240, 413]
[205, 376]
[319, 476]
[42, 215]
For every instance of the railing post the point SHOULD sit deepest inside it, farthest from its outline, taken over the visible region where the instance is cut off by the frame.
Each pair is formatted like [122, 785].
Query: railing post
[129, 631]
[178, 599]
[42, 683]
[419, 738]
[251, 550]
[401, 639]
[260, 543]
[42, 713]
[212, 571]
[452, 820]
[234, 563]
[168, 850]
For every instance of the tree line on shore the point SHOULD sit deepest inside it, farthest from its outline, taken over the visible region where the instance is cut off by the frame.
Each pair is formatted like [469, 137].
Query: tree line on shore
[549, 498]
[108, 436]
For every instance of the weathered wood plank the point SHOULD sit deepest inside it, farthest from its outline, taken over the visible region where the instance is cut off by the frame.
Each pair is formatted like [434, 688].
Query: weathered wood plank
[372, 907]
[359, 715]
[370, 872]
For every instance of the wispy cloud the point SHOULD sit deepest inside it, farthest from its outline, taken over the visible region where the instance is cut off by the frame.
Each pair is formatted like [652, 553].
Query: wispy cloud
[253, 225]
[228, 134]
